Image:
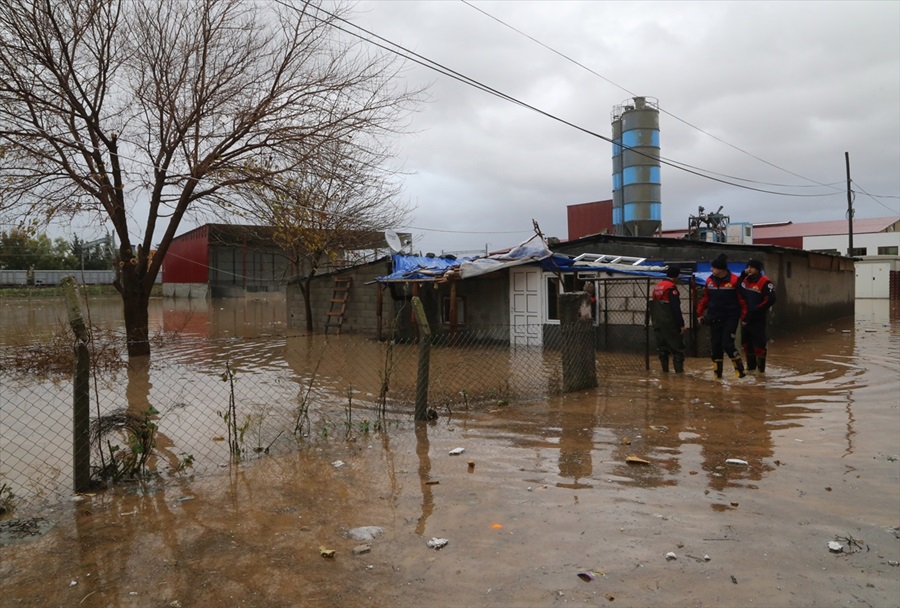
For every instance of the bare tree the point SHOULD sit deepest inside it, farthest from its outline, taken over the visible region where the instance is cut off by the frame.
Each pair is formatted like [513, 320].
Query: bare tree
[336, 205]
[142, 112]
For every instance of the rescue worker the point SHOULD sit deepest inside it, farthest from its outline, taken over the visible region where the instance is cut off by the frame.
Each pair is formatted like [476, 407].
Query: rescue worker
[759, 294]
[722, 307]
[668, 322]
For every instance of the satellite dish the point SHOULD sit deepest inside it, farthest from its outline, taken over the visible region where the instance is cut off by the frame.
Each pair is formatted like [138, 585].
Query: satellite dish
[393, 241]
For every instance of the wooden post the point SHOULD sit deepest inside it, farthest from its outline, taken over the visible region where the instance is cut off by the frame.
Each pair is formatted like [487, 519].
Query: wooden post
[415, 325]
[578, 353]
[424, 360]
[454, 313]
[379, 310]
[81, 395]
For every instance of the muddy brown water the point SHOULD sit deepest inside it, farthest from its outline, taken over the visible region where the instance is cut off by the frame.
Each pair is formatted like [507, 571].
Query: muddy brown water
[550, 496]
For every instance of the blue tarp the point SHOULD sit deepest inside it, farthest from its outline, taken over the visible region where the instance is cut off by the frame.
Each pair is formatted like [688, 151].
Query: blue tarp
[418, 268]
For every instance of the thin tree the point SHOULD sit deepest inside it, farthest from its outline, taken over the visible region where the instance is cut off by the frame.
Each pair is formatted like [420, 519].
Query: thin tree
[331, 212]
[148, 112]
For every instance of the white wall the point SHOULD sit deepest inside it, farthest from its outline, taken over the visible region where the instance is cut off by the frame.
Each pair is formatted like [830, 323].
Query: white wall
[871, 241]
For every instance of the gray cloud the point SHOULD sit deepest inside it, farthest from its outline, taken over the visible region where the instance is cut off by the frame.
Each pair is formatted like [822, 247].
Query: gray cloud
[796, 84]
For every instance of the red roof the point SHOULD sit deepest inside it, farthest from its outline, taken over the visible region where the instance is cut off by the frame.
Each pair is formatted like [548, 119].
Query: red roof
[860, 226]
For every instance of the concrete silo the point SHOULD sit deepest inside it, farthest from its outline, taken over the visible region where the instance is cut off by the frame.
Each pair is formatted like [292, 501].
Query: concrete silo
[637, 196]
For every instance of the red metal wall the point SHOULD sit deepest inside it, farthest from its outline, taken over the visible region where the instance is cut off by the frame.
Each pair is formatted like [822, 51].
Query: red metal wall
[589, 218]
[785, 241]
[187, 260]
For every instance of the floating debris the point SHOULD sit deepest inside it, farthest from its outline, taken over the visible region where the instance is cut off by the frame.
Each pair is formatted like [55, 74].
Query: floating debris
[437, 543]
[659, 427]
[835, 547]
[671, 556]
[587, 576]
[327, 553]
[457, 451]
[737, 462]
[636, 460]
[337, 464]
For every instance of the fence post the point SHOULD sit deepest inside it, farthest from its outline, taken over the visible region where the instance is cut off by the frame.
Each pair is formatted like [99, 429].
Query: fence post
[424, 359]
[81, 396]
[577, 329]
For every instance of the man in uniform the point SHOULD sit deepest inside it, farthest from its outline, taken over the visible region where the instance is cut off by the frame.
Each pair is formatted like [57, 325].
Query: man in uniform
[722, 307]
[668, 322]
[759, 294]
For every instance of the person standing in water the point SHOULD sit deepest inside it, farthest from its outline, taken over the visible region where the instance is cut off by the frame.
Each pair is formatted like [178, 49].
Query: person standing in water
[722, 307]
[759, 294]
[668, 322]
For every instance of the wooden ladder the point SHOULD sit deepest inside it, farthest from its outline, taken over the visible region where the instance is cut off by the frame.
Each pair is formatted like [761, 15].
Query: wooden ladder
[334, 318]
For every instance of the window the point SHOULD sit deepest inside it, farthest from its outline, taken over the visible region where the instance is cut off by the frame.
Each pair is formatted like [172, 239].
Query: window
[857, 251]
[553, 291]
[827, 251]
[460, 310]
[887, 250]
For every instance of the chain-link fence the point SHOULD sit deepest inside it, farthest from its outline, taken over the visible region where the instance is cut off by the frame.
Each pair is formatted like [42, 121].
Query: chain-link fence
[197, 405]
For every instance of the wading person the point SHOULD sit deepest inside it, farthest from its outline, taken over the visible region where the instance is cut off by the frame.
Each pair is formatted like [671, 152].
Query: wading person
[722, 307]
[759, 294]
[668, 322]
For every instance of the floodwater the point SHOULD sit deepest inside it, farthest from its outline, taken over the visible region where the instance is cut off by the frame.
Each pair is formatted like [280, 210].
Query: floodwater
[550, 495]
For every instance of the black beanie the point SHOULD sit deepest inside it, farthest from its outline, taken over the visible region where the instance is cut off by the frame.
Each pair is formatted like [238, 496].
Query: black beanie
[754, 263]
[720, 262]
[672, 271]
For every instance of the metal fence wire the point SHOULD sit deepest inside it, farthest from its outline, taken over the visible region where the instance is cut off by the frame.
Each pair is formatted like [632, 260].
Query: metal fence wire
[198, 405]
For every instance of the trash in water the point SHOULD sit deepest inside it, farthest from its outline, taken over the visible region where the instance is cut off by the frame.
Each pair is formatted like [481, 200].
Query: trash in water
[671, 555]
[497, 526]
[835, 547]
[737, 462]
[329, 553]
[361, 549]
[471, 464]
[587, 576]
[457, 451]
[437, 543]
[660, 428]
[636, 460]
[337, 464]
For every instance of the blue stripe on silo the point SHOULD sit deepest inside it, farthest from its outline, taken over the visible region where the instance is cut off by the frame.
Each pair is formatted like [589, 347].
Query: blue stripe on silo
[617, 181]
[617, 216]
[617, 147]
[631, 175]
[630, 216]
[640, 137]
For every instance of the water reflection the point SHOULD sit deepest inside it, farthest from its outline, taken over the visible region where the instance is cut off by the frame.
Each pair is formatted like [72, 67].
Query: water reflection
[686, 426]
[423, 450]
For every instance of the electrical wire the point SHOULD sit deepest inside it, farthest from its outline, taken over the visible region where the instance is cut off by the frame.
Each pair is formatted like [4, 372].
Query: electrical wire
[441, 69]
[661, 109]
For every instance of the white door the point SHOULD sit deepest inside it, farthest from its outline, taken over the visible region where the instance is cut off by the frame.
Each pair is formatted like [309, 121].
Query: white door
[526, 297]
[873, 280]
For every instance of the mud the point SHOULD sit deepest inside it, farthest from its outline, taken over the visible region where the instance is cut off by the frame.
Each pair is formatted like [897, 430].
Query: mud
[550, 495]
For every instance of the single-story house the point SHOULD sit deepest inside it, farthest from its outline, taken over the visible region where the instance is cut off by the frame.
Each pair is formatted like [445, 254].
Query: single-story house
[511, 297]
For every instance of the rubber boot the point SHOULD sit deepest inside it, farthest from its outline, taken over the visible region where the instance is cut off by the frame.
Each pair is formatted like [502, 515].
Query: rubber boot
[664, 361]
[717, 368]
[678, 362]
[751, 362]
[738, 367]
[761, 365]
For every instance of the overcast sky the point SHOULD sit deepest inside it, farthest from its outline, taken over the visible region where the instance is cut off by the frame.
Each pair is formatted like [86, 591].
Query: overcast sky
[774, 92]
[796, 84]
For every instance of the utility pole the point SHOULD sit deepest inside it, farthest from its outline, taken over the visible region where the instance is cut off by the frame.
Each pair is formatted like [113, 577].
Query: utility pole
[849, 204]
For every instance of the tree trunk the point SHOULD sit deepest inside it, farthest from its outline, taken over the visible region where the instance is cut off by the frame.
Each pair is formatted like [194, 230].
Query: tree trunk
[136, 304]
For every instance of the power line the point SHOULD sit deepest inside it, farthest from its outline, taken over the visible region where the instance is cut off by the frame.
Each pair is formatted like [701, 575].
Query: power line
[661, 109]
[441, 69]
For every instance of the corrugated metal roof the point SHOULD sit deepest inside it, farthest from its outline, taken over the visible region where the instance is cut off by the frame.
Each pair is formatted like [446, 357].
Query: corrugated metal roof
[790, 229]
[860, 226]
